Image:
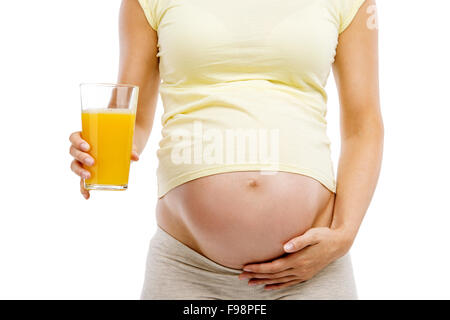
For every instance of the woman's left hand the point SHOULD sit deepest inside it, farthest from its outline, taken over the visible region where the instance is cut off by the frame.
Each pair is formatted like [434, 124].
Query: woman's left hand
[309, 254]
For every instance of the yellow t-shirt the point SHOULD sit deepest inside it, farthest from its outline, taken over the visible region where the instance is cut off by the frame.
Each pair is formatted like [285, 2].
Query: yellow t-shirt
[243, 85]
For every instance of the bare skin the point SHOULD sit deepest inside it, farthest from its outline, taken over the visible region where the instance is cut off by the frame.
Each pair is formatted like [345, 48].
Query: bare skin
[266, 212]
[237, 218]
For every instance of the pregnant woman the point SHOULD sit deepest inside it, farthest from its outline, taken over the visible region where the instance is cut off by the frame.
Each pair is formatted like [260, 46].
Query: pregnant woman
[248, 206]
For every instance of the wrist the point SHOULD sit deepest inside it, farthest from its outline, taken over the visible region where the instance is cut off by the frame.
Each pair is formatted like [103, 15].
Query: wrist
[139, 138]
[345, 238]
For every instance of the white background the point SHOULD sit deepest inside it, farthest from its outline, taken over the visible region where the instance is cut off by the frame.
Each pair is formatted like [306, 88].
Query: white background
[56, 245]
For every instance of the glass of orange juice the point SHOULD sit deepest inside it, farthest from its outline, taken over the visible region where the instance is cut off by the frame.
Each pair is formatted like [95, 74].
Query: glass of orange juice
[108, 115]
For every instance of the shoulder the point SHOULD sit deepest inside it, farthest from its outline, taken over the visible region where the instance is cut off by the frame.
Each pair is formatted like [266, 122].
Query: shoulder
[346, 10]
[153, 10]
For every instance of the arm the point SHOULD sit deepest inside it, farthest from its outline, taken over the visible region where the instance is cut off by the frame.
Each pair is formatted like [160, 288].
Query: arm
[139, 66]
[362, 133]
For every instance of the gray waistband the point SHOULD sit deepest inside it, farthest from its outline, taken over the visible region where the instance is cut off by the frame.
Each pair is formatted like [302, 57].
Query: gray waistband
[166, 243]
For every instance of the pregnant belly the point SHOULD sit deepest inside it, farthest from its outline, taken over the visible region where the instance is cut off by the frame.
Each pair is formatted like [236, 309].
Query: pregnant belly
[236, 218]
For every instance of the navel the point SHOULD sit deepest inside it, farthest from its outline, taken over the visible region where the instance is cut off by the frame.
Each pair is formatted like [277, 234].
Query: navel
[252, 183]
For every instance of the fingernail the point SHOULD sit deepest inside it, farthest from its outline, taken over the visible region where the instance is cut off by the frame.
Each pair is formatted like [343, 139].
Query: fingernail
[85, 146]
[86, 175]
[89, 161]
[288, 246]
[247, 269]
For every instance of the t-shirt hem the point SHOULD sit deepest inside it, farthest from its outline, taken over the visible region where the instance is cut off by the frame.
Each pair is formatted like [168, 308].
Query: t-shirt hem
[166, 187]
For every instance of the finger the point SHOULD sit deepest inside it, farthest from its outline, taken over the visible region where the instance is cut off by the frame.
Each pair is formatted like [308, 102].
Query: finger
[83, 191]
[76, 139]
[79, 170]
[81, 156]
[310, 237]
[251, 275]
[274, 266]
[255, 282]
[134, 155]
[282, 285]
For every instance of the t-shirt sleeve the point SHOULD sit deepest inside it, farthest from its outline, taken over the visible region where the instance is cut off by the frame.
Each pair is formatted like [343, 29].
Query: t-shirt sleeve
[149, 7]
[349, 8]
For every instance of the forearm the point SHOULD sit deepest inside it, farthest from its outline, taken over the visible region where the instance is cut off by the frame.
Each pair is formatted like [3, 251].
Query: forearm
[141, 136]
[358, 172]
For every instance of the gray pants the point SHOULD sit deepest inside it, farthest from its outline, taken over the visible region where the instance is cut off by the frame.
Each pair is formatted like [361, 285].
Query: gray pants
[175, 271]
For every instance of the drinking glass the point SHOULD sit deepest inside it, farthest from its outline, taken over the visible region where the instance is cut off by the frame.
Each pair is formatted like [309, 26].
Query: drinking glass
[108, 116]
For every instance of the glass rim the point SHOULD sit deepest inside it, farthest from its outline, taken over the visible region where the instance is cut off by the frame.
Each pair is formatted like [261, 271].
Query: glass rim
[105, 84]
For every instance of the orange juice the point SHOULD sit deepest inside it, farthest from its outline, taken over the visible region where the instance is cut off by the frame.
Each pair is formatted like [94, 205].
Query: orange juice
[109, 133]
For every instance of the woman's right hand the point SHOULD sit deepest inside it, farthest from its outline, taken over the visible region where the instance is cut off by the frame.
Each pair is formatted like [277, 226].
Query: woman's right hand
[78, 150]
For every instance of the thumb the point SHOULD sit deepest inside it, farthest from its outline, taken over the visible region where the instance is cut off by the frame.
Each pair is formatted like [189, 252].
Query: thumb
[310, 237]
[134, 154]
